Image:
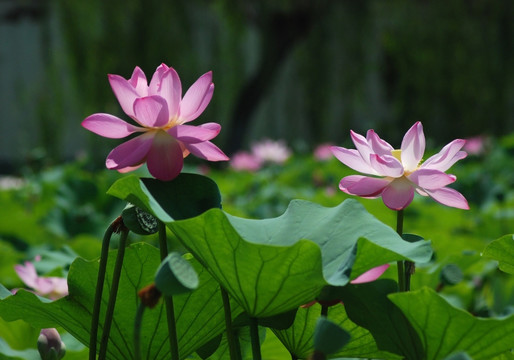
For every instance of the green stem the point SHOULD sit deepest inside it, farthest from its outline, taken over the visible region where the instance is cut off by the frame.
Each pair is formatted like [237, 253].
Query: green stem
[232, 341]
[399, 222]
[114, 292]
[168, 300]
[401, 276]
[137, 330]
[254, 336]
[93, 334]
[409, 268]
[324, 310]
[401, 268]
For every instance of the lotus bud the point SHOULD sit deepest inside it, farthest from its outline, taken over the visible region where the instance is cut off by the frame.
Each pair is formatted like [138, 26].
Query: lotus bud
[50, 345]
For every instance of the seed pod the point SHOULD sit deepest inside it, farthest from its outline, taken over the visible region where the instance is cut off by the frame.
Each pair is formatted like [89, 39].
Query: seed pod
[175, 276]
[139, 221]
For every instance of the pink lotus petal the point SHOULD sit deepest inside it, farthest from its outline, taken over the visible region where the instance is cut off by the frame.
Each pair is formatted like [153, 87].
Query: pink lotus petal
[362, 146]
[448, 156]
[431, 179]
[165, 160]
[109, 126]
[413, 147]
[171, 90]
[370, 275]
[363, 186]
[44, 285]
[124, 92]
[379, 146]
[449, 197]
[207, 150]
[155, 83]
[60, 286]
[195, 134]
[353, 159]
[386, 165]
[129, 168]
[151, 111]
[197, 98]
[131, 153]
[398, 194]
[138, 82]
[421, 192]
[27, 274]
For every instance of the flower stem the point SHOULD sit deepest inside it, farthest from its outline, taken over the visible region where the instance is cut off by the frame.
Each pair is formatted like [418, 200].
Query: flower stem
[232, 341]
[168, 300]
[137, 330]
[399, 222]
[324, 310]
[254, 336]
[114, 292]
[401, 268]
[409, 270]
[93, 334]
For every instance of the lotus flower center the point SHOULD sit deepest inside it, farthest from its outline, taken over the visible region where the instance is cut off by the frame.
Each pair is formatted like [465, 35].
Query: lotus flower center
[397, 154]
[172, 123]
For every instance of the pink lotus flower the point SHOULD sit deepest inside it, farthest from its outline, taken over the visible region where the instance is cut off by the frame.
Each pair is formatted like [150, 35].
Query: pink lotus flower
[262, 152]
[323, 152]
[476, 145]
[53, 287]
[161, 114]
[245, 161]
[271, 151]
[397, 173]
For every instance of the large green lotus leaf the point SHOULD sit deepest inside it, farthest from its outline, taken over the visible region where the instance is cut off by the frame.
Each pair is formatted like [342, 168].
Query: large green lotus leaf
[274, 265]
[265, 280]
[298, 339]
[185, 196]
[368, 306]
[502, 250]
[444, 329]
[199, 314]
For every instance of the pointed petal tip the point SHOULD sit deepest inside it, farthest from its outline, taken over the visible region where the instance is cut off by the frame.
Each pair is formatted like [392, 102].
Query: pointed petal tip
[370, 275]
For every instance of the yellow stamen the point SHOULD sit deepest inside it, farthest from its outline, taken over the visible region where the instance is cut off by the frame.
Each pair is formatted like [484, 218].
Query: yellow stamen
[397, 154]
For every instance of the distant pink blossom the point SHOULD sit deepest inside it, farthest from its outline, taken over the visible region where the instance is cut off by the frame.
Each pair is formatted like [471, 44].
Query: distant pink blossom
[160, 114]
[323, 152]
[244, 160]
[475, 145]
[264, 151]
[271, 151]
[53, 287]
[396, 174]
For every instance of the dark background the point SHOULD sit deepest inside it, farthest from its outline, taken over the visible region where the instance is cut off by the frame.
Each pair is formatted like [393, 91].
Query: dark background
[304, 71]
